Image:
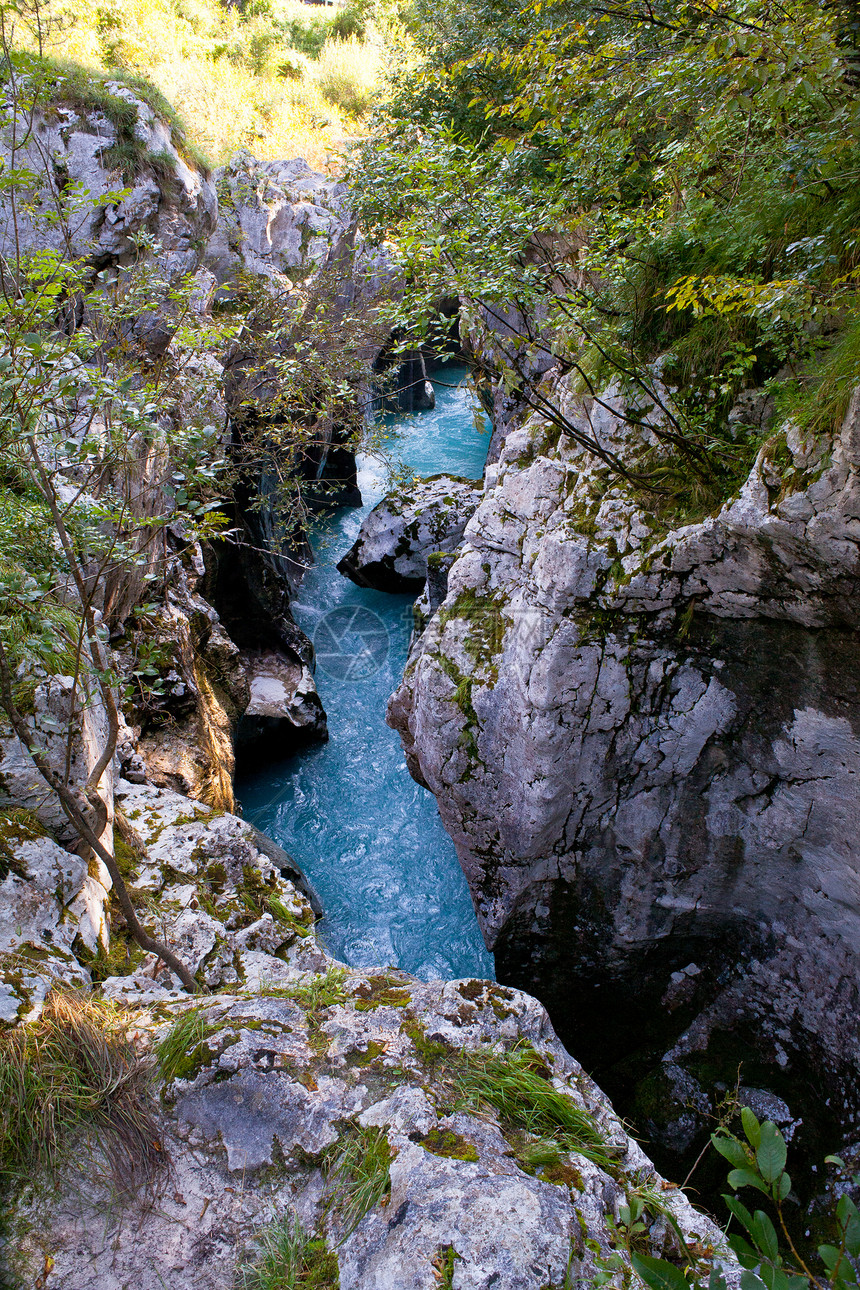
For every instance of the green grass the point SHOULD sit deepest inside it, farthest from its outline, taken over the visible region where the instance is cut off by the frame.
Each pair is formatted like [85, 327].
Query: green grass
[323, 991]
[820, 403]
[517, 1084]
[287, 1258]
[73, 1077]
[357, 1166]
[443, 1263]
[184, 1049]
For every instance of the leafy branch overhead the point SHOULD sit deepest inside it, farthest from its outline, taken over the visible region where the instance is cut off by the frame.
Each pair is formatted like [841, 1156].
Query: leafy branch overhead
[655, 195]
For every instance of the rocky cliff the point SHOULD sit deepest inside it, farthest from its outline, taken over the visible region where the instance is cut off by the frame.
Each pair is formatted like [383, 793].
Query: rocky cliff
[643, 739]
[270, 1092]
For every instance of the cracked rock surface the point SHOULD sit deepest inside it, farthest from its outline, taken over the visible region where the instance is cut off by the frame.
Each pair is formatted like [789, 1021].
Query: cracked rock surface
[406, 528]
[644, 743]
[263, 1087]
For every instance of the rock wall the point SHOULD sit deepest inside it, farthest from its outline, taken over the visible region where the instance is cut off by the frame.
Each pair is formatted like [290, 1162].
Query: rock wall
[112, 185]
[293, 1060]
[644, 743]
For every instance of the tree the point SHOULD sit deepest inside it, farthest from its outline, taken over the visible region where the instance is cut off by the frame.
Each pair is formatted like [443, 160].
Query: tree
[652, 180]
[79, 420]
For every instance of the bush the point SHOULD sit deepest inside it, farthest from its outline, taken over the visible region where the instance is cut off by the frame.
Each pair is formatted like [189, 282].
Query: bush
[764, 1249]
[346, 74]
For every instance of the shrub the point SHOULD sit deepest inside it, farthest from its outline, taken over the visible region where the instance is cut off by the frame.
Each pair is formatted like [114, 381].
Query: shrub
[764, 1249]
[346, 74]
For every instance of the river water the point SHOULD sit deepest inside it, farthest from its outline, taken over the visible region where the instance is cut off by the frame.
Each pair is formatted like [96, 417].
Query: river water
[368, 837]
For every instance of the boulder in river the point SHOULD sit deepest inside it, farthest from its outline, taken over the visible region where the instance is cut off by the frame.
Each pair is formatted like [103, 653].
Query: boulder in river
[406, 527]
[284, 712]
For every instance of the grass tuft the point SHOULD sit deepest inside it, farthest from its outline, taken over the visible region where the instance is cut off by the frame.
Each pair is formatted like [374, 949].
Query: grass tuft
[819, 404]
[287, 1258]
[184, 1049]
[74, 1077]
[358, 1165]
[518, 1085]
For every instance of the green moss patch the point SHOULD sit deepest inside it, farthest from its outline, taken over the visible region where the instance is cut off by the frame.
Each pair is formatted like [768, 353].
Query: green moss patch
[445, 1142]
[431, 1051]
[380, 992]
[361, 1059]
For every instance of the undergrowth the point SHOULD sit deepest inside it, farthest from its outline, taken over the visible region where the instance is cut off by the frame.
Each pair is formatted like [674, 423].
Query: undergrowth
[287, 1258]
[72, 1079]
[357, 1166]
[280, 79]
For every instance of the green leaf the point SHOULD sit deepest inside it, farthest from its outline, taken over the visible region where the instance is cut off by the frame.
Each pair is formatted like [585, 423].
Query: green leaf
[746, 1178]
[733, 1150]
[764, 1235]
[740, 1212]
[771, 1152]
[751, 1126]
[659, 1274]
[830, 1255]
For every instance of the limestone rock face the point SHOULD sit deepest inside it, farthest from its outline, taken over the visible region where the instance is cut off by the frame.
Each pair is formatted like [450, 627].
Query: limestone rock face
[69, 726]
[77, 155]
[277, 220]
[53, 918]
[406, 527]
[645, 743]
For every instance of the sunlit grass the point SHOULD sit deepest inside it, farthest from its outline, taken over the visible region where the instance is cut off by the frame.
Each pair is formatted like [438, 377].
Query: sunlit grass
[290, 82]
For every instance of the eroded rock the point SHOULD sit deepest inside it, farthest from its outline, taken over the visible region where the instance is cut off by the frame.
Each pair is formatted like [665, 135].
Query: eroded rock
[405, 528]
[284, 711]
[645, 743]
[278, 221]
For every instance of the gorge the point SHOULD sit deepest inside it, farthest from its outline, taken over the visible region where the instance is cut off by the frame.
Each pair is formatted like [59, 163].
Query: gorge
[384, 791]
[369, 839]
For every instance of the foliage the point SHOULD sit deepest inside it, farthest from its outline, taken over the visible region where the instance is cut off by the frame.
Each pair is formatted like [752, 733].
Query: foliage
[287, 1258]
[623, 182]
[73, 1077]
[764, 1247]
[240, 76]
[357, 1166]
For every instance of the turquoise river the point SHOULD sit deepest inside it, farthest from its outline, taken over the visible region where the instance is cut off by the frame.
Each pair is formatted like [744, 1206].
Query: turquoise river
[368, 837]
